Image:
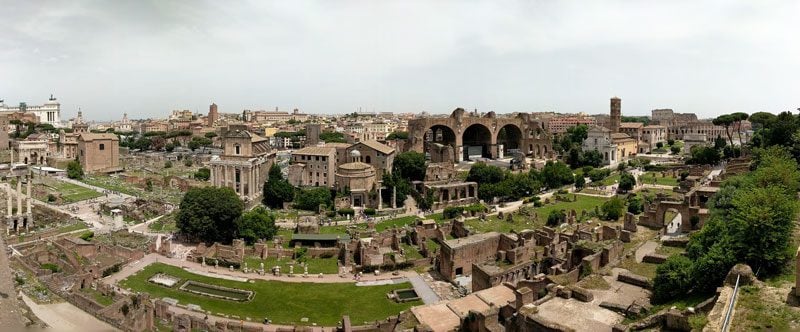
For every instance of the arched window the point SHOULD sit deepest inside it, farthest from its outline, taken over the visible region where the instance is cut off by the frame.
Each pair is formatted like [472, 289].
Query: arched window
[368, 160]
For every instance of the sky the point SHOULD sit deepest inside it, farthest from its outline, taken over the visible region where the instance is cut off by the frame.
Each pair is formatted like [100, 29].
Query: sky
[147, 58]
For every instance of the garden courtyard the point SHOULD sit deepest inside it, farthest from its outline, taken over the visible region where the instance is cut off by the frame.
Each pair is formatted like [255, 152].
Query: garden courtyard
[282, 302]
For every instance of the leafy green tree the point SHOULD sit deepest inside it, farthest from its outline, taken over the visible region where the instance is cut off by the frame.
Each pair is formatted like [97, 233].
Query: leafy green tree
[210, 134]
[659, 145]
[169, 147]
[725, 120]
[598, 174]
[670, 142]
[675, 149]
[410, 165]
[483, 173]
[256, 224]
[580, 182]
[738, 118]
[704, 155]
[592, 158]
[311, 199]
[332, 137]
[397, 135]
[720, 143]
[762, 119]
[673, 279]
[277, 190]
[209, 214]
[578, 134]
[626, 182]
[557, 174]
[202, 174]
[74, 170]
[612, 209]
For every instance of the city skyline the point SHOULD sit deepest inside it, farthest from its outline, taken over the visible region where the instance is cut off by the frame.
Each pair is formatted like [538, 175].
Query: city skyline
[148, 59]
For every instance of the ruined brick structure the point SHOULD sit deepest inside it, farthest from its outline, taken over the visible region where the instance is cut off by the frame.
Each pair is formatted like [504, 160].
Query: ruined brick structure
[487, 136]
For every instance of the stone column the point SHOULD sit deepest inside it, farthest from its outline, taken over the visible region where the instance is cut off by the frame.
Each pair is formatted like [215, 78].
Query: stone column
[213, 178]
[19, 195]
[29, 198]
[394, 197]
[380, 197]
[10, 204]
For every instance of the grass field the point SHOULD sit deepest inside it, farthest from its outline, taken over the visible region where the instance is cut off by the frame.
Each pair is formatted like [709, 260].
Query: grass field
[656, 178]
[607, 181]
[70, 193]
[521, 222]
[315, 265]
[282, 302]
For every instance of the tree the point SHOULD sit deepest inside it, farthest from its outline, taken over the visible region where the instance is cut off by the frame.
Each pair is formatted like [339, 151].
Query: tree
[74, 170]
[194, 145]
[555, 218]
[675, 149]
[704, 155]
[332, 137]
[598, 174]
[673, 279]
[483, 173]
[762, 119]
[202, 174]
[592, 158]
[670, 142]
[169, 147]
[397, 135]
[256, 224]
[626, 182]
[578, 134]
[659, 145]
[580, 182]
[209, 213]
[556, 174]
[719, 143]
[277, 190]
[410, 165]
[210, 134]
[311, 198]
[725, 120]
[738, 117]
[158, 143]
[612, 209]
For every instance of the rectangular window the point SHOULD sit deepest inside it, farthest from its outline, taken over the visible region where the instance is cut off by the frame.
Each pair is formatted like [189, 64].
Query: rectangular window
[102, 146]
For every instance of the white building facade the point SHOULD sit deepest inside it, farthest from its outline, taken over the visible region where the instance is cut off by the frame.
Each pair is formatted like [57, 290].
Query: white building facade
[49, 113]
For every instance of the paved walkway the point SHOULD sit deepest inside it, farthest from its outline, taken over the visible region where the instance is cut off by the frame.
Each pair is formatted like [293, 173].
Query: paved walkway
[10, 313]
[648, 247]
[422, 288]
[64, 317]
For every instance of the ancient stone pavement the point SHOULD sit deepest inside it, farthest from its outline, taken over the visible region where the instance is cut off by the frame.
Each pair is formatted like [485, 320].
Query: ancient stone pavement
[10, 315]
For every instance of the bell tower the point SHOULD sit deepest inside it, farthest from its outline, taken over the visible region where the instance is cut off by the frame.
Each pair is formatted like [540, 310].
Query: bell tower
[616, 114]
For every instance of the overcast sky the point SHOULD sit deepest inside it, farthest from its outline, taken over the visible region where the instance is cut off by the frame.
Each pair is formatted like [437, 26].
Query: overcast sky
[148, 58]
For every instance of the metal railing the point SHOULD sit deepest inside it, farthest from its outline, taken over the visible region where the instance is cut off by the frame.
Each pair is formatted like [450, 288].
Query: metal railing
[726, 324]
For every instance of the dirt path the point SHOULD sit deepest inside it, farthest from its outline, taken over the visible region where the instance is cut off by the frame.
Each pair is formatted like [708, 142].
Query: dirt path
[10, 315]
[65, 317]
[648, 248]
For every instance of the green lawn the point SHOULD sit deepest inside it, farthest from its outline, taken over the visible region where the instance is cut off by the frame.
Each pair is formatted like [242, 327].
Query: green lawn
[655, 177]
[282, 302]
[70, 193]
[315, 265]
[397, 222]
[521, 222]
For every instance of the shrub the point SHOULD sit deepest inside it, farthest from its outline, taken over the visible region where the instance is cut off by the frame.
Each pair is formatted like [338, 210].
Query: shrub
[675, 149]
[598, 174]
[671, 141]
[51, 198]
[369, 211]
[87, 236]
[673, 279]
[111, 270]
[556, 218]
[537, 203]
[168, 164]
[74, 170]
[187, 162]
[452, 211]
[635, 205]
[202, 174]
[612, 209]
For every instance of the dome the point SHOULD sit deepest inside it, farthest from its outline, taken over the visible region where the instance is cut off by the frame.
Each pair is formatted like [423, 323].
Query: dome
[356, 166]
[355, 153]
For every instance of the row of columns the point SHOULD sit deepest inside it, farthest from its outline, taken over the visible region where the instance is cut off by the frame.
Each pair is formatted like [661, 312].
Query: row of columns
[249, 178]
[9, 204]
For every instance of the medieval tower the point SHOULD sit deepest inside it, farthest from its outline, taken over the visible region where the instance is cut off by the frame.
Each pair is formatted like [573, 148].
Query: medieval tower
[616, 114]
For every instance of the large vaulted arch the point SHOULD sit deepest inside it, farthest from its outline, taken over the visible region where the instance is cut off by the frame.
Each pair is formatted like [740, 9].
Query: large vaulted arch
[477, 140]
[510, 136]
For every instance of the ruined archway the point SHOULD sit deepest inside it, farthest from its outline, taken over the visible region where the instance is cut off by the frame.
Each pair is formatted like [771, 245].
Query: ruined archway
[673, 220]
[510, 136]
[440, 134]
[477, 140]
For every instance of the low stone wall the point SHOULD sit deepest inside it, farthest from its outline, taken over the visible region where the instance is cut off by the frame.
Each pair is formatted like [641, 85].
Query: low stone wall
[635, 279]
[654, 258]
[676, 242]
[581, 294]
